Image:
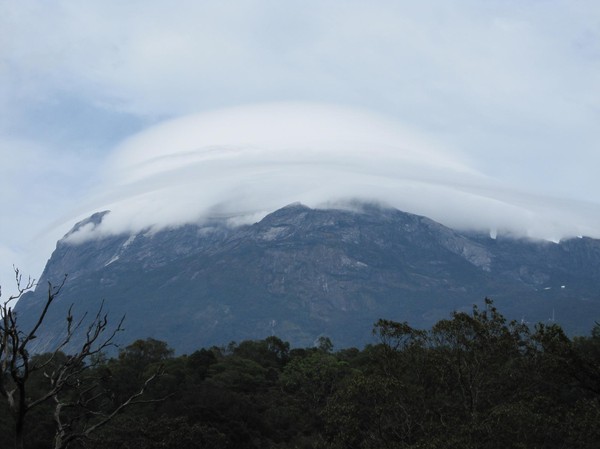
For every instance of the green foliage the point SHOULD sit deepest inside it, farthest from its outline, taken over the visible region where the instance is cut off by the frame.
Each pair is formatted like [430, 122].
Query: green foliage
[144, 352]
[314, 378]
[474, 380]
[269, 353]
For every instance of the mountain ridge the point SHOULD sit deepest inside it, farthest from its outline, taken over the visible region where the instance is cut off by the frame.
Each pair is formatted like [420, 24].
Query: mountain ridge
[301, 273]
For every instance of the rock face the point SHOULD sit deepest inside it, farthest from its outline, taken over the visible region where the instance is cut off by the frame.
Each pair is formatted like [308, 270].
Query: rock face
[301, 273]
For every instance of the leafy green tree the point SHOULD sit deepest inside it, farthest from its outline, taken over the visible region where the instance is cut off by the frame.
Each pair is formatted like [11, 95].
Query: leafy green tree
[324, 344]
[239, 374]
[269, 353]
[142, 432]
[313, 379]
[473, 346]
[371, 411]
[199, 362]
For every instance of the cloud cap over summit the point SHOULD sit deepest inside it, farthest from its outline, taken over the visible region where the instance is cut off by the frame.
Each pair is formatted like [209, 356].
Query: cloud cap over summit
[244, 162]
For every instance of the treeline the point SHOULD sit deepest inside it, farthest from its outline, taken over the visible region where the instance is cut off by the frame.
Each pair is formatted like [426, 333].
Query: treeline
[472, 381]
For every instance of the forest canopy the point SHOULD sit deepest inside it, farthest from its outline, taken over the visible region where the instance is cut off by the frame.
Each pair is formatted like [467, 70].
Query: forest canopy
[473, 380]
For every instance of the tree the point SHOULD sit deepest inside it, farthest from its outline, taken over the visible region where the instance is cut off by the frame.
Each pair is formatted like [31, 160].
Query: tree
[269, 353]
[76, 396]
[371, 411]
[314, 378]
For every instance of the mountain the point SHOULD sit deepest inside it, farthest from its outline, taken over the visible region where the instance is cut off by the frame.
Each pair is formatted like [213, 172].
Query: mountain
[301, 273]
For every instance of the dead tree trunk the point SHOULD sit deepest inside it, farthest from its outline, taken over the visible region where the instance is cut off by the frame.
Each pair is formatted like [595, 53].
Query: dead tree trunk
[17, 365]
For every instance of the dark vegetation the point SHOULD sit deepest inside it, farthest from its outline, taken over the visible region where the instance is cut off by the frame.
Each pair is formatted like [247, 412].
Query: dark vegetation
[472, 381]
[70, 388]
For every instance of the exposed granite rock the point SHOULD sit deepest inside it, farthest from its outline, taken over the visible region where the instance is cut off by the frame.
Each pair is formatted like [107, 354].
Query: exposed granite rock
[300, 273]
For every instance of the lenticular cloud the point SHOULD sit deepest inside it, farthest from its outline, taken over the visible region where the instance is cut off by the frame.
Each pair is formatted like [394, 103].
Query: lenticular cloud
[242, 163]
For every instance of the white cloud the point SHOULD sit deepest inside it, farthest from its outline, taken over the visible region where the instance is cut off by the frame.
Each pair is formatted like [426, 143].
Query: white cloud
[34, 190]
[511, 84]
[248, 161]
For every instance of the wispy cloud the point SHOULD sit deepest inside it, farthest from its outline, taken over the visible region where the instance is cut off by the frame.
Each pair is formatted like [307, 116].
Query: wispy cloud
[248, 161]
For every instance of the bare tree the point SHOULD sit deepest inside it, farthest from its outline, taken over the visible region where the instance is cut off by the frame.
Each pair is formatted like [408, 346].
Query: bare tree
[78, 409]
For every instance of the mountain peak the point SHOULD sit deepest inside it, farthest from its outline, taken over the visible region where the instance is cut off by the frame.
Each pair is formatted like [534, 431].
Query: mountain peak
[301, 272]
[89, 223]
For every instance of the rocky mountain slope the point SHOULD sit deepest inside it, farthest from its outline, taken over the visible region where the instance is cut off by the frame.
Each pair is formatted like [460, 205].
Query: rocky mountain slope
[302, 273]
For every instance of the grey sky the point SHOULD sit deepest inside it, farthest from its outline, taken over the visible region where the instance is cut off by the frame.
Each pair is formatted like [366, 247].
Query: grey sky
[509, 89]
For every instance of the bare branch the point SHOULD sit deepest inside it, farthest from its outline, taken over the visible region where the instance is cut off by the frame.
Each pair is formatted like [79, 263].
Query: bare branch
[52, 294]
[21, 288]
[62, 375]
[64, 438]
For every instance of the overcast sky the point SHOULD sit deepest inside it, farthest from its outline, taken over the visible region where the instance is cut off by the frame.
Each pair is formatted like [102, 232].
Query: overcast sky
[432, 106]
